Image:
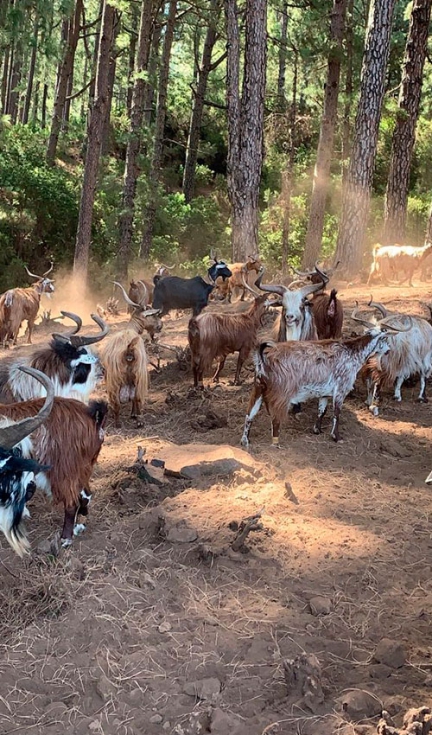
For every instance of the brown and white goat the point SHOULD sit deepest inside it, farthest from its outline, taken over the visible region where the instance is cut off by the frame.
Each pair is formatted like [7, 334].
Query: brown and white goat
[74, 369]
[326, 307]
[241, 273]
[20, 304]
[124, 358]
[410, 355]
[215, 336]
[399, 262]
[67, 444]
[289, 373]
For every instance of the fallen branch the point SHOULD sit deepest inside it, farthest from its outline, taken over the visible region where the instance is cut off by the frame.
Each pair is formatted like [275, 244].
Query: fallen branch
[246, 526]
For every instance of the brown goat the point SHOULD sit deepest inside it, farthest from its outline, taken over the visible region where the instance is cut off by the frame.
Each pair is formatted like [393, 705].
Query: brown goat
[68, 443]
[140, 292]
[240, 272]
[20, 304]
[327, 309]
[215, 336]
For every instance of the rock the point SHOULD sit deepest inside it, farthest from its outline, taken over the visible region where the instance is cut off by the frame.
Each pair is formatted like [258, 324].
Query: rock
[223, 723]
[203, 688]
[44, 546]
[391, 653]
[164, 627]
[379, 671]
[95, 726]
[192, 461]
[105, 688]
[182, 534]
[57, 710]
[156, 719]
[320, 605]
[166, 725]
[359, 704]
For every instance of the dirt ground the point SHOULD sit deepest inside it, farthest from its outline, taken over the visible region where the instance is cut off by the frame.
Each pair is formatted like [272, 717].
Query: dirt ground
[140, 629]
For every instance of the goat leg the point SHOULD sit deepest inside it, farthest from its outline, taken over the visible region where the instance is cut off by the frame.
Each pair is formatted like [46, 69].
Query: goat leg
[241, 358]
[255, 403]
[337, 405]
[322, 408]
[220, 367]
[397, 391]
[275, 431]
[422, 395]
[68, 525]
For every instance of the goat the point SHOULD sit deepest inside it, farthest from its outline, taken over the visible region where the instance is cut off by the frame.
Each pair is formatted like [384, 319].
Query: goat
[20, 304]
[173, 292]
[219, 335]
[143, 317]
[288, 373]
[140, 292]
[68, 444]
[124, 358]
[396, 262]
[296, 321]
[326, 308]
[240, 273]
[73, 368]
[411, 355]
[17, 474]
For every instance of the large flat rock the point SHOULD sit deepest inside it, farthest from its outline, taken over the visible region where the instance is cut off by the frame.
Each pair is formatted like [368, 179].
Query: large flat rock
[194, 461]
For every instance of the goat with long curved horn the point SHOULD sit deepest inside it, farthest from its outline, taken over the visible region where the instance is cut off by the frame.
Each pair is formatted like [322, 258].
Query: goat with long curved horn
[81, 340]
[145, 312]
[13, 434]
[381, 308]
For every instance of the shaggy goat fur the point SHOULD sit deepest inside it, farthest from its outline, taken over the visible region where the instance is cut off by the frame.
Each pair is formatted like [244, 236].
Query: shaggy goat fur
[18, 305]
[124, 358]
[398, 262]
[68, 443]
[328, 315]
[140, 292]
[214, 336]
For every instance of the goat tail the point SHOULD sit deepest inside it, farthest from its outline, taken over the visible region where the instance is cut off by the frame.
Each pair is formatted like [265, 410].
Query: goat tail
[331, 308]
[12, 526]
[98, 410]
[260, 358]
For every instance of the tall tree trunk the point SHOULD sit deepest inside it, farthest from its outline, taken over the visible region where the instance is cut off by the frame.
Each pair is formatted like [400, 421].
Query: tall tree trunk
[287, 174]
[321, 177]
[281, 103]
[396, 200]
[31, 73]
[35, 107]
[198, 103]
[125, 223]
[152, 74]
[67, 105]
[65, 72]
[346, 124]
[131, 60]
[5, 77]
[44, 106]
[356, 194]
[94, 145]
[156, 163]
[245, 123]
[107, 134]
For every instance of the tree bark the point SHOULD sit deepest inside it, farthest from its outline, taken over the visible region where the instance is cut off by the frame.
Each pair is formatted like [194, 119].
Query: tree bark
[31, 74]
[107, 133]
[152, 74]
[14, 80]
[395, 209]
[198, 103]
[321, 177]
[65, 72]
[346, 124]
[245, 123]
[5, 77]
[131, 61]
[281, 97]
[356, 194]
[44, 106]
[125, 223]
[95, 131]
[287, 174]
[156, 163]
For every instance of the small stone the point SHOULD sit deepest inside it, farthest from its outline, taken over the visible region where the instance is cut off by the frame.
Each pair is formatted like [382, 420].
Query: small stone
[105, 688]
[204, 688]
[391, 653]
[379, 671]
[222, 723]
[320, 605]
[164, 627]
[95, 726]
[156, 719]
[182, 534]
[166, 725]
[359, 704]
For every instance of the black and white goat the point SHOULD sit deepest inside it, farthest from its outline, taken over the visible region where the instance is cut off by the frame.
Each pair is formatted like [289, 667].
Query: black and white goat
[74, 369]
[17, 473]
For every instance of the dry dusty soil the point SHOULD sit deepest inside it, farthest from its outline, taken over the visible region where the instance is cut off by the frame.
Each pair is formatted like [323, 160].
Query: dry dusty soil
[153, 623]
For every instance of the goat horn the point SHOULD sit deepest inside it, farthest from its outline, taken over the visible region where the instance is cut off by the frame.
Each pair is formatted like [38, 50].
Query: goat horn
[82, 341]
[49, 269]
[168, 267]
[13, 434]
[33, 275]
[75, 318]
[304, 274]
[145, 291]
[246, 285]
[380, 307]
[383, 322]
[369, 325]
[312, 287]
[279, 289]
[126, 297]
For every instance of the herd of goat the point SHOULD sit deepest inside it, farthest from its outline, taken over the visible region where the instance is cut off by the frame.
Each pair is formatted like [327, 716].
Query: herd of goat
[51, 431]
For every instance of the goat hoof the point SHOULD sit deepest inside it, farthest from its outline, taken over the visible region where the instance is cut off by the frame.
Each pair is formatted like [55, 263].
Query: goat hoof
[398, 399]
[336, 438]
[245, 444]
[79, 528]
[316, 430]
[66, 542]
[422, 399]
[374, 410]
